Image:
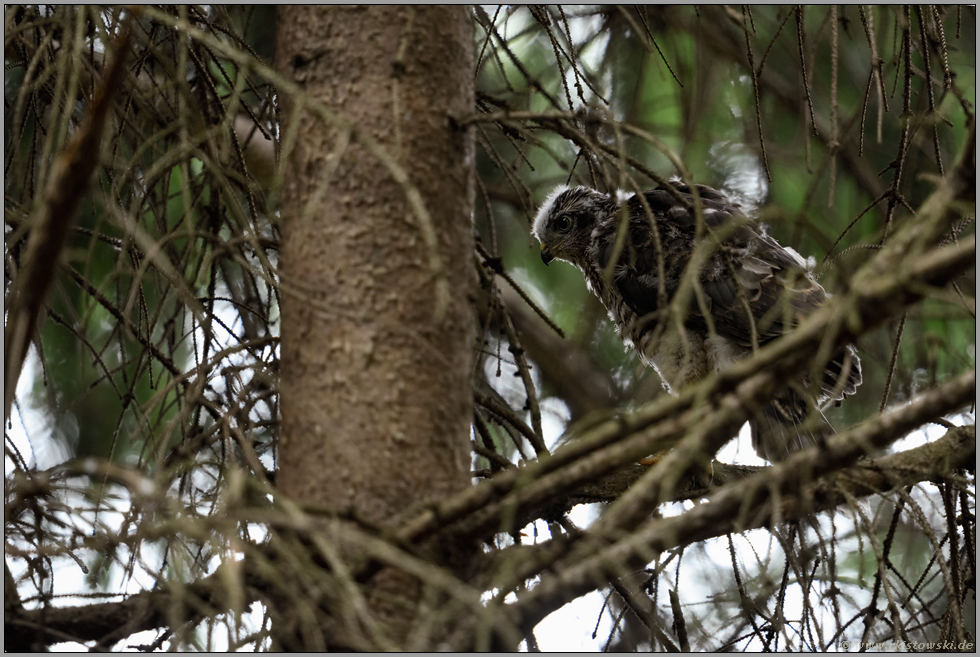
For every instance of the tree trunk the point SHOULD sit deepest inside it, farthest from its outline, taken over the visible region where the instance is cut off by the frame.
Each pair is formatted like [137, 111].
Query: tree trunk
[377, 324]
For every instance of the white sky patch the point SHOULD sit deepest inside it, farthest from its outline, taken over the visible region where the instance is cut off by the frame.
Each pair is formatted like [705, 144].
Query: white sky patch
[554, 420]
[930, 432]
[583, 515]
[739, 451]
[31, 431]
[570, 628]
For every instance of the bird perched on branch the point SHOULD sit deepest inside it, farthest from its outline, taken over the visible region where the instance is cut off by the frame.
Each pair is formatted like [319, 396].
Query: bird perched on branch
[743, 290]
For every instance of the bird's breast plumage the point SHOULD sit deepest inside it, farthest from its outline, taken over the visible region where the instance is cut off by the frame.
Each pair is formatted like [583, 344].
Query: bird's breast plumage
[678, 359]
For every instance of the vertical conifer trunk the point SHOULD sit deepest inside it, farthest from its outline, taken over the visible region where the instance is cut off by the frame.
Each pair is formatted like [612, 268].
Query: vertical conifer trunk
[377, 325]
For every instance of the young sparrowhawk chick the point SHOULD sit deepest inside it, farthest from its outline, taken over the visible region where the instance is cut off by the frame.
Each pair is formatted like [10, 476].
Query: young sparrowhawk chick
[748, 284]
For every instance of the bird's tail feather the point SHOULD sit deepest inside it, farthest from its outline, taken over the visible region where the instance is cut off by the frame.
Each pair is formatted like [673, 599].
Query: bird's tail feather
[787, 425]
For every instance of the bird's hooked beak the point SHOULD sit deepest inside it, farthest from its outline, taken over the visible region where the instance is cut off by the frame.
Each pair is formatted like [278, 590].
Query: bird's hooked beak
[546, 255]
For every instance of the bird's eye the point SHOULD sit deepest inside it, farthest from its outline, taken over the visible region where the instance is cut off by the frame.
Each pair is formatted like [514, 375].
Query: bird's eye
[563, 223]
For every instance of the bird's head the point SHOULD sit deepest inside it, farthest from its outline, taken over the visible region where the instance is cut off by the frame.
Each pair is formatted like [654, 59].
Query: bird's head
[566, 219]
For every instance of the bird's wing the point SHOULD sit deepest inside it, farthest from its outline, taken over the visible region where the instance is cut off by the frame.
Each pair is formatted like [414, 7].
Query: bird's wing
[758, 286]
[750, 283]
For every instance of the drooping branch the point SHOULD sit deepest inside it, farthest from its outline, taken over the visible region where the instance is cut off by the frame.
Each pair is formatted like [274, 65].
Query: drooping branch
[565, 365]
[785, 492]
[732, 394]
[67, 184]
[173, 120]
[149, 610]
[719, 36]
[107, 622]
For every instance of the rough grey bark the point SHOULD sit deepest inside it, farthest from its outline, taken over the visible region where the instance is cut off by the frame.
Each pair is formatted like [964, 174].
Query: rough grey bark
[377, 336]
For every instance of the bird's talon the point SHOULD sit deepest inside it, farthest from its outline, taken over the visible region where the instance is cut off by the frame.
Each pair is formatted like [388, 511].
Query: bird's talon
[650, 461]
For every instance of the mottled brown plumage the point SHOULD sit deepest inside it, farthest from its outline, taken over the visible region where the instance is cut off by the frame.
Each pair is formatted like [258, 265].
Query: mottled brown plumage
[751, 289]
